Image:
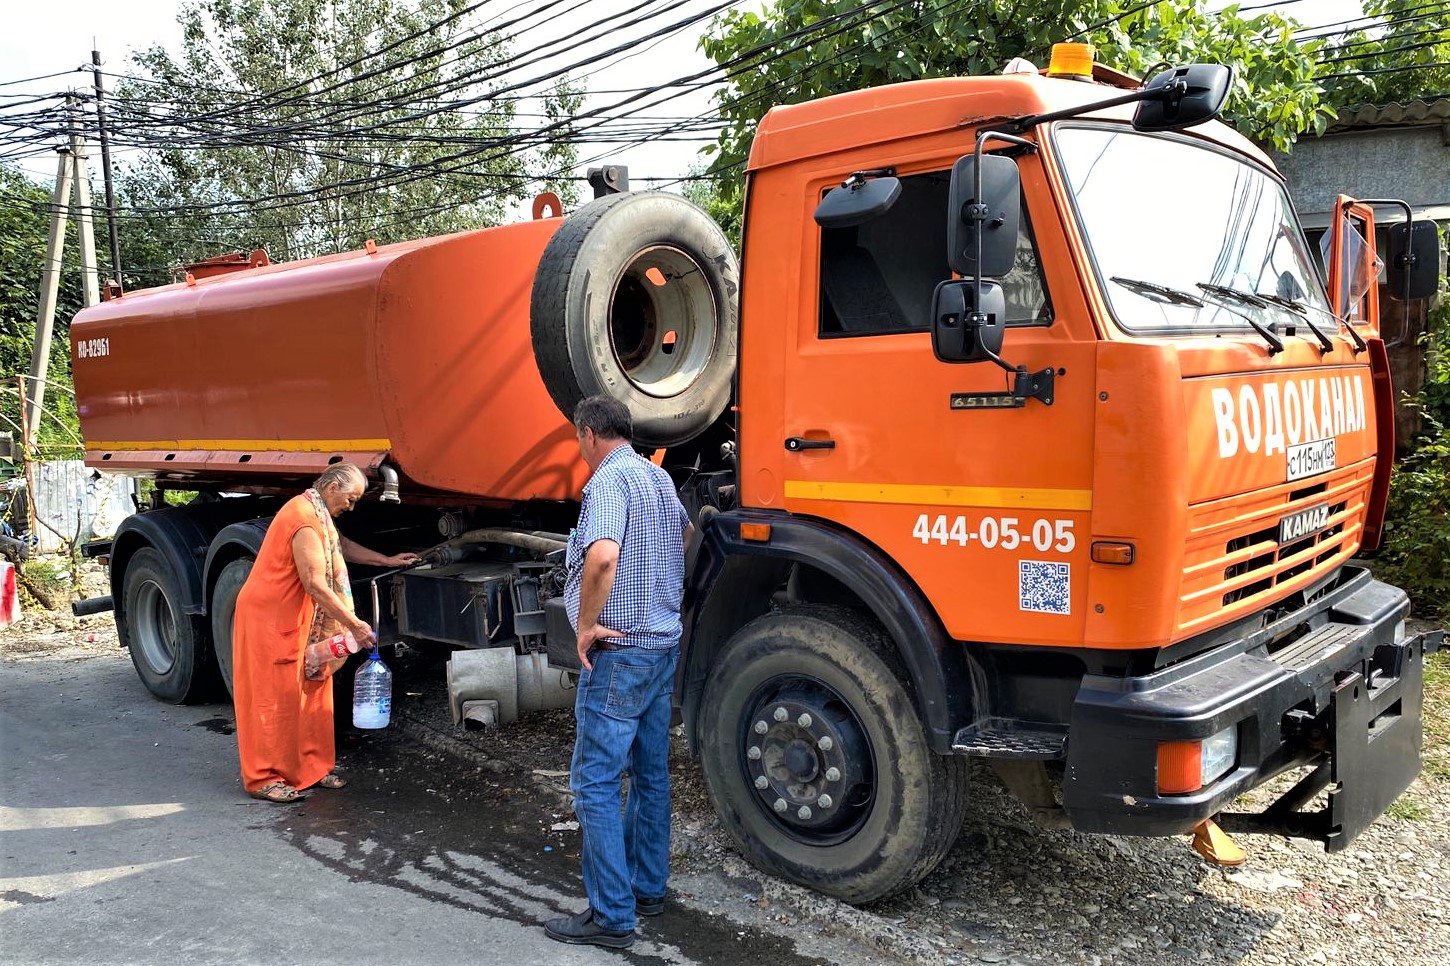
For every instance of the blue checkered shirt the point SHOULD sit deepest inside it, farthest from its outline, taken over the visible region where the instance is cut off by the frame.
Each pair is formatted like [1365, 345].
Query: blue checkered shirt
[633, 502]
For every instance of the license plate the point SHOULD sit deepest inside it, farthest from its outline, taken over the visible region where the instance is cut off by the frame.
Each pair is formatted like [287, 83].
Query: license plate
[1305, 523]
[1309, 459]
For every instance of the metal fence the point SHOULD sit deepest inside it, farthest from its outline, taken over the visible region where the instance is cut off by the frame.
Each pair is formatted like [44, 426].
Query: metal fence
[73, 502]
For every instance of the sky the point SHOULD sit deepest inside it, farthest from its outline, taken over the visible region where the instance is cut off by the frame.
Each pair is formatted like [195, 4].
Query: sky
[49, 36]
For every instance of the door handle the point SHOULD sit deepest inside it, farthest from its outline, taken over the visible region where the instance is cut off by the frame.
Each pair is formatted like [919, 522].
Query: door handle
[797, 443]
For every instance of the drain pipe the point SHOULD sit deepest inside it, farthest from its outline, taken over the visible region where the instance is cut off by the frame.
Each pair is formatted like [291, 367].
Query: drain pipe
[390, 484]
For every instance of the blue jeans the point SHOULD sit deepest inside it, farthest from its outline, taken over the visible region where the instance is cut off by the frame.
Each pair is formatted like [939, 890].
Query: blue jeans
[622, 723]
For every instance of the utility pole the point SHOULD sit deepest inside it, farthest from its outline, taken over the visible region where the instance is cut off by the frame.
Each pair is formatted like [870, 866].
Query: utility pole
[81, 174]
[49, 289]
[28, 459]
[106, 166]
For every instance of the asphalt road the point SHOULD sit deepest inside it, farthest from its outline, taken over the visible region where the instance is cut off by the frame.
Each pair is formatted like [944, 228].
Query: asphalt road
[125, 837]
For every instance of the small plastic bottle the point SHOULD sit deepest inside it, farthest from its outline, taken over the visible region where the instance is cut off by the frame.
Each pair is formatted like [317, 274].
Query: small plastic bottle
[338, 645]
[372, 694]
[319, 653]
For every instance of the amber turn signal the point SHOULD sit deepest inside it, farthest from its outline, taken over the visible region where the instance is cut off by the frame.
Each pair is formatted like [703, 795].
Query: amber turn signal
[1107, 552]
[1180, 767]
[758, 532]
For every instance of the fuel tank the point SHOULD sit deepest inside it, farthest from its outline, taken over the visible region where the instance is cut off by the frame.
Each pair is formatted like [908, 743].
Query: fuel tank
[417, 354]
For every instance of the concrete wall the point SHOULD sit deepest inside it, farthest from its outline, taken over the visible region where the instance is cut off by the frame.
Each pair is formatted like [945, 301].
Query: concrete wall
[1409, 163]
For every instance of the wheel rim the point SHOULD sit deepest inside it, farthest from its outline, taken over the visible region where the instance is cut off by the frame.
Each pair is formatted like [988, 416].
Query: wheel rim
[662, 321]
[806, 756]
[154, 628]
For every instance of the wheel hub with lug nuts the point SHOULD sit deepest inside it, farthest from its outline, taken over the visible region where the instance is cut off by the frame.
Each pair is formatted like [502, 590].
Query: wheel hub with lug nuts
[808, 759]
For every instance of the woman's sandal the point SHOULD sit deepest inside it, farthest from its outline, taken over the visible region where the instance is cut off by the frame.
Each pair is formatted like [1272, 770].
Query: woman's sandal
[333, 780]
[278, 793]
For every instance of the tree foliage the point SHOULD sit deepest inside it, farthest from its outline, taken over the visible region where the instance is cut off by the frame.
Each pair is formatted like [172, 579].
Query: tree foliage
[308, 126]
[797, 50]
[1403, 56]
[1416, 550]
[24, 231]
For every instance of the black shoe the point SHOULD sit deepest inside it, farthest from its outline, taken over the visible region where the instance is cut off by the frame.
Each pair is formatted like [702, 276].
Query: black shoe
[583, 930]
[648, 907]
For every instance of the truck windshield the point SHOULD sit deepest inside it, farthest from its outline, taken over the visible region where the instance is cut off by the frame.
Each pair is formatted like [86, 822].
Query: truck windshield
[1186, 237]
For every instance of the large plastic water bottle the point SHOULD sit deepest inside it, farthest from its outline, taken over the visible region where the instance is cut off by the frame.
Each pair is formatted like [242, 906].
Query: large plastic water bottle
[372, 694]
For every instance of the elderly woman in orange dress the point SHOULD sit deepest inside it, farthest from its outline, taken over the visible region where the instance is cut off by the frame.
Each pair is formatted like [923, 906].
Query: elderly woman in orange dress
[297, 592]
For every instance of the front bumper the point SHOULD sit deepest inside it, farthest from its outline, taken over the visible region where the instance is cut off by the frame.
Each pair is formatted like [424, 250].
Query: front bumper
[1342, 696]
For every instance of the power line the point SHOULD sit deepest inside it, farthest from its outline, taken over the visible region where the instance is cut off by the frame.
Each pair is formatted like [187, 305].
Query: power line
[1385, 70]
[609, 123]
[1408, 15]
[1442, 42]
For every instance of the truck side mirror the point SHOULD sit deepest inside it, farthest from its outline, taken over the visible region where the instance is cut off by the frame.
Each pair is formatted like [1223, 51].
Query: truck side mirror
[859, 199]
[1182, 97]
[998, 210]
[1412, 265]
[967, 321]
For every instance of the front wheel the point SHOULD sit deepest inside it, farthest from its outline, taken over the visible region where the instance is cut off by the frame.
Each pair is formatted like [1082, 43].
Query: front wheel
[815, 759]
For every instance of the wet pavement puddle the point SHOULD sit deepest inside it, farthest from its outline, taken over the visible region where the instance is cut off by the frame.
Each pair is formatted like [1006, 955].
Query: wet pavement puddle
[450, 832]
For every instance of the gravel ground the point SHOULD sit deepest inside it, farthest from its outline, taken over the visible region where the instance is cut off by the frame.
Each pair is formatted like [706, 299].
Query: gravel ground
[1008, 892]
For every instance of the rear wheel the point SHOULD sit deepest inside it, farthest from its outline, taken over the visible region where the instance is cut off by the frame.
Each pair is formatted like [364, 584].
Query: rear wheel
[170, 648]
[223, 610]
[816, 761]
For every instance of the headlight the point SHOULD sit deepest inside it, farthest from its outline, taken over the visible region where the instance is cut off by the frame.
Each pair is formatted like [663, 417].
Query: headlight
[1186, 766]
[1220, 752]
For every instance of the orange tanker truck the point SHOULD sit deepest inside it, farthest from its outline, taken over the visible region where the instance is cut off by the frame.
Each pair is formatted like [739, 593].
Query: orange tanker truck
[1029, 429]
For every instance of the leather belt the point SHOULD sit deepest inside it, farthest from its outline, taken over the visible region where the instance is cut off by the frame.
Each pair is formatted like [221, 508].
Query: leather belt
[605, 644]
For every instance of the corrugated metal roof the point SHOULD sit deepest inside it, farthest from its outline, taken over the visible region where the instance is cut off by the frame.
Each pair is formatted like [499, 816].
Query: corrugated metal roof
[1435, 110]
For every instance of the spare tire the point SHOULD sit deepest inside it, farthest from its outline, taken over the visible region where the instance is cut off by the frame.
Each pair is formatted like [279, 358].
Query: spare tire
[636, 296]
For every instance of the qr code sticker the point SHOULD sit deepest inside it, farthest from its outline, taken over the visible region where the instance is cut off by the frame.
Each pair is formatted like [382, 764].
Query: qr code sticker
[1043, 587]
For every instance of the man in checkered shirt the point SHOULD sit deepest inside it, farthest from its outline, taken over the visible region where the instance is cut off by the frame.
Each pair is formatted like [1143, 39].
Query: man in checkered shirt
[626, 566]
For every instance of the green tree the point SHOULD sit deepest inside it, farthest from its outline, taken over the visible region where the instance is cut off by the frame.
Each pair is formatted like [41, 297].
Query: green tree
[707, 192]
[1403, 55]
[797, 50]
[1416, 550]
[309, 126]
[24, 231]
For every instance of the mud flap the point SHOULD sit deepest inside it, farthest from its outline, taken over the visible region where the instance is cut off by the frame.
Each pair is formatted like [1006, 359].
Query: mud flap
[1371, 733]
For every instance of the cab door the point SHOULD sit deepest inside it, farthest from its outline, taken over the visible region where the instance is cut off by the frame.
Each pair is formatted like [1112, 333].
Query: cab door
[986, 508]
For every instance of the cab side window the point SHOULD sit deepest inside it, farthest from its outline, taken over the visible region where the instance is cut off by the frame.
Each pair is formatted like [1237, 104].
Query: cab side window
[878, 278]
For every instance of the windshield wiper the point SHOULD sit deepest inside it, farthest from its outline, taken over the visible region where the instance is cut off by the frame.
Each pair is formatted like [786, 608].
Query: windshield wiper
[1325, 345]
[1172, 296]
[1262, 301]
[1232, 293]
[1276, 344]
[1302, 309]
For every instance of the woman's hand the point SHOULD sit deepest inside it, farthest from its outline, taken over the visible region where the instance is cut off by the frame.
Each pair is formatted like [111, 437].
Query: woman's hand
[402, 560]
[362, 632]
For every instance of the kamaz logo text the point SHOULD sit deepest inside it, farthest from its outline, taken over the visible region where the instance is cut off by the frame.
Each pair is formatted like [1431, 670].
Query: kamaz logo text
[1270, 417]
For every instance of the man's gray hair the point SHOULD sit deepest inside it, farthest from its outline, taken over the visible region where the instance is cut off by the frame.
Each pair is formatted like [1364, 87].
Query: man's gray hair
[607, 416]
[340, 473]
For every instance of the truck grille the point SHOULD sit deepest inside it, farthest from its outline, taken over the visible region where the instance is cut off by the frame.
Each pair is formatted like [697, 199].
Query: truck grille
[1234, 562]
